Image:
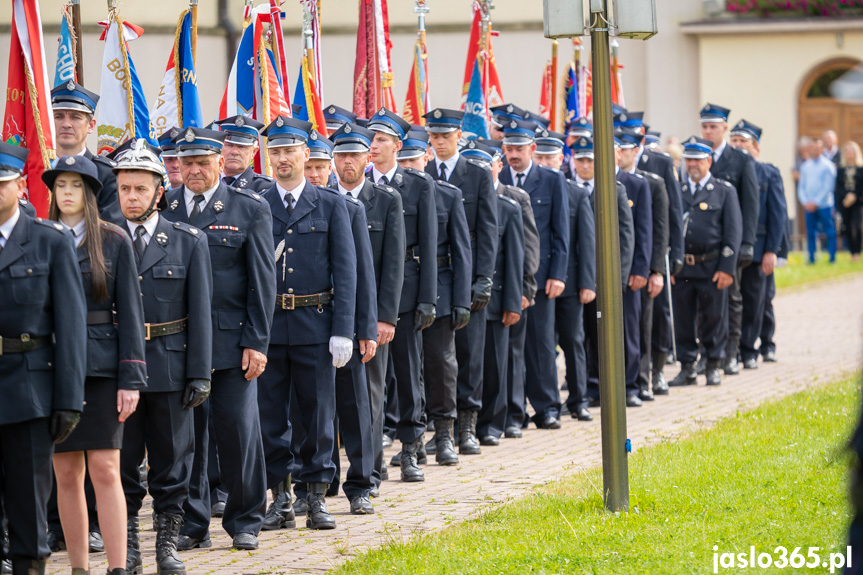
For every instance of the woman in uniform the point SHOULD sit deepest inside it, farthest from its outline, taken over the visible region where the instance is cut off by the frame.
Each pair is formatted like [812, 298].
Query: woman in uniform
[116, 369]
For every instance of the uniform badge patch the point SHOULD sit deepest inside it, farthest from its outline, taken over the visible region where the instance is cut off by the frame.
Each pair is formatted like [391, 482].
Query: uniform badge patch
[709, 187]
[239, 122]
[279, 122]
[162, 238]
[59, 227]
[174, 205]
[70, 86]
[242, 182]
[438, 114]
[631, 203]
[218, 206]
[347, 128]
[703, 206]
[190, 135]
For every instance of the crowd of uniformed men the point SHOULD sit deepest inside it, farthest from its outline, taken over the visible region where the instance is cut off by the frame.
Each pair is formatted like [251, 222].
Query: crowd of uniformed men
[387, 279]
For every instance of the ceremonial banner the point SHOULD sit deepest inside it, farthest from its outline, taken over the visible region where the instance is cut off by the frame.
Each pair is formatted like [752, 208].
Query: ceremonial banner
[178, 103]
[384, 47]
[545, 95]
[475, 122]
[366, 78]
[279, 48]
[479, 47]
[269, 95]
[306, 96]
[123, 111]
[239, 97]
[28, 120]
[417, 100]
[65, 69]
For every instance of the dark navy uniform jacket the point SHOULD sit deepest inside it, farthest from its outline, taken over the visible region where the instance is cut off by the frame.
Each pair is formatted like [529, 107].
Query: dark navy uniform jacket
[507, 286]
[318, 256]
[772, 210]
[713, 224]
[252, 181]
[480, 206]
[116, 350]
[662, 165]
[176, 283]
[420, 225]
[237, 224]
[659, 212]
[638, 192]
[105, 167]
[531, 239]
[387, 235]
[367, 306]
[737, 167]
[550, 204]
[42, 296]
[625, 231]
[26, 208]
[454, 278]
[581, 271]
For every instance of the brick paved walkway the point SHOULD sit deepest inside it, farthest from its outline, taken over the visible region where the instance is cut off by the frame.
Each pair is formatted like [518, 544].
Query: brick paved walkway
[820, 336]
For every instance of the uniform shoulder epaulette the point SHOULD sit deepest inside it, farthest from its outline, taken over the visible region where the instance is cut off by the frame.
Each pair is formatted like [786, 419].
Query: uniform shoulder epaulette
[330, 190]
[414, 172]
[447, 185]
[745, 152]
[187, 228]
[384, 187]
[249, 193]
[652, 176]
[105, 160]
[477, 163]
[22, 202]
[507, 199]
[56, 226]
[722, 182]
[264, 177]
[113, 228]
[351, 199]
[639, 176]
[518, 190]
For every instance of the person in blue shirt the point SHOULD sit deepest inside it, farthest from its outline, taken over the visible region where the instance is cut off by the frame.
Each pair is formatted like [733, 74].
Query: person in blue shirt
[815, 192]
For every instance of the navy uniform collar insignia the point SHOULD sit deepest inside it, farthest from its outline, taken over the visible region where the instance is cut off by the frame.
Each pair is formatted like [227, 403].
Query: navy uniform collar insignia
[280, 122]
[347, 128]
[239, 122]
[190, 135]
[256, 196]
[162, 238]
[709, 187]
[174, 205]
[70, 161]
[643, 158]
[70, 86]
[398, 178]
[241, 183]
[59, 227]
[194, 231]
[438, 114]
[218, 206]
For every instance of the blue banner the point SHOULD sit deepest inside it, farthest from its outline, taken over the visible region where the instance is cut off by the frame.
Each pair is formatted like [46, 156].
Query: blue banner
[65, 69]
[188, 78]
[475, 122]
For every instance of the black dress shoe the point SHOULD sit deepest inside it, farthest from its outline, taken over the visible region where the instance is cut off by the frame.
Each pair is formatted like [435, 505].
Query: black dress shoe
[56, 542]
[769, 356]
[187, 542]
[731, 366]
[375, 492]
[669, 359]
[95, 543]
[217, 509]
[385, 472]
[714, 377]
[660, 387]
[582, 414]
[6, 566]
[644, 393]
[633, 401]
[701, 365]
[592, 401]
[489, 440]
[547, 422]
[687, 375]
[512, 432]
[750, 363]
[360, 505]
[388, 441]
[564, 410]
[245, 542]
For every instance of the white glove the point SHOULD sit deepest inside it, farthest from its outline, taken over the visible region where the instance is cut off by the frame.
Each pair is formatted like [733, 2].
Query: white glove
[341, 348]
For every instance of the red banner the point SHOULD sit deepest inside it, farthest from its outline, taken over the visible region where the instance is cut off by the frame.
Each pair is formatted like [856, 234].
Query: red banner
[365, 66]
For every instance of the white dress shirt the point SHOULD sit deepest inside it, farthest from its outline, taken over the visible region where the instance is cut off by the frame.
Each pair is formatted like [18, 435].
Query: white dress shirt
[8, 226]
[450, 164]
[587, 183]
[717, 153]
[355, 193]
[296, 192]
[149, 227]
[699, 183]
[376, 175]
[79, 231]
[188, 195]
[514, 173]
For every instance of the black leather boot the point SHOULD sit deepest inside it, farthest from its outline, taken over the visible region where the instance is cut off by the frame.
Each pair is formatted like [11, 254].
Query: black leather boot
[701, 365]
[28, 567]
[687, 376]
[731, 367]
[411, 472]
[134, 565]
[117, 571]
[280, 513]
[657, 376]
[167, 557]
[444, 449]
[318, 517]
[467, 441]
[714, 377]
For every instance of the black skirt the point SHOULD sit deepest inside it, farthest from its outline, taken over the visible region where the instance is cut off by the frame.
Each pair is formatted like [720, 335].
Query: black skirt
[100, 427]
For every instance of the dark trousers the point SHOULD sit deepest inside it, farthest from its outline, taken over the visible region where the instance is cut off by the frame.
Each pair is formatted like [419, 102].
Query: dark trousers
[631, 347]
[753, 287]
[233, 409]
[541, 386]
[661, 335]
[391, 403]
[853, 219]
[569, 322]
[164, 429]
[376, 372]
[308, 371]
[90, 496]
[469, 350]
[25, 484]
[734, 315]
[646, 343]
[768, 324]
[407, 365]
[217, 493]
[440, 370]
[515, 372]
[492, 416]
[700, 315]
[355, 422]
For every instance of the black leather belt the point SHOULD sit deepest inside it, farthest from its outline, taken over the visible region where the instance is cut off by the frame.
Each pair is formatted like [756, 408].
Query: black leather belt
[168, 328]
[409, 255]
[444, 261]
[692, 259]
[290, 301]
[99, 317]
[23, 343]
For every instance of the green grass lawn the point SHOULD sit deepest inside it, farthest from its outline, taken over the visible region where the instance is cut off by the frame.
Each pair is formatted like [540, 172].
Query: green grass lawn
[773, 476]
[799, 272]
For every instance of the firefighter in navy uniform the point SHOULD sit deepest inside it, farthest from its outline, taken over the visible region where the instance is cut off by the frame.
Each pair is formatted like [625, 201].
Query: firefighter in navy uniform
[419, 290]
[736, 167]
[713, 230]
[337, 117]
[480, 206]
[756, 279]
[169, 156]
[313, 325]
[237, 225]
[176, 287]
[383, 206]
[239, 150]
[74, 110]
[454, 276]
[43, 355]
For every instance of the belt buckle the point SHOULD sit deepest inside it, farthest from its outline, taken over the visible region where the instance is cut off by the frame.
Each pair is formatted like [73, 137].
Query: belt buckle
[146, 332]
[690, 259]
[285, 298]
[25, 337]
